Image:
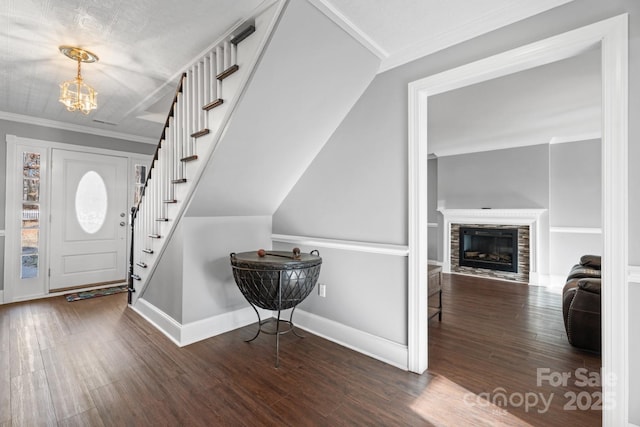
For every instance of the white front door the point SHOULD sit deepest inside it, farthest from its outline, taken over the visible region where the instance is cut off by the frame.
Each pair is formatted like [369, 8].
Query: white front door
[88, 219]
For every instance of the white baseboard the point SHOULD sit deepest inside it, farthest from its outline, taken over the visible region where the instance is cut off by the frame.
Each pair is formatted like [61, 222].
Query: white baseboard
[446, 266]
[159, 319]
[216, 325]
[379, 348]
[557, 281]
[183, 335]
[546, 280]
[1, 297]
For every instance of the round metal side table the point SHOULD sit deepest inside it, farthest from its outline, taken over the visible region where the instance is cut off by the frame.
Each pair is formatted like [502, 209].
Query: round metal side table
[276, 281]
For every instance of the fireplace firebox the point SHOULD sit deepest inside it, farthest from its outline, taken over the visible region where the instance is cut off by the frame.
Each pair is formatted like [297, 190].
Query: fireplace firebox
[491, 248]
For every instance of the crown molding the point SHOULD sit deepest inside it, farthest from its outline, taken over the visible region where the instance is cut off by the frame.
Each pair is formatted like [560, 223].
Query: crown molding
[20, 118]
[575, 138]
[514, 12]
[349, 27]
[495, 144]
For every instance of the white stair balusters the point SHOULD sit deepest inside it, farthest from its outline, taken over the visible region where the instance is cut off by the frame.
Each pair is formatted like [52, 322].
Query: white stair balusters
[200, 90]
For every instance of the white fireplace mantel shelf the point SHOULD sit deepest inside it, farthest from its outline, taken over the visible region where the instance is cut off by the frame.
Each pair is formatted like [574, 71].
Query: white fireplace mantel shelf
[493, 216]
[534, 218]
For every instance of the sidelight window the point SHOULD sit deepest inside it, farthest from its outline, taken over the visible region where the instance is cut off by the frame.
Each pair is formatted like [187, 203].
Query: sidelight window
[30, 230]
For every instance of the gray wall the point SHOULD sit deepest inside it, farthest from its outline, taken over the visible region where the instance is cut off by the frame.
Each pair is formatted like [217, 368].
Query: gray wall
[514, 178]
[357, 186]
[166, 292]
[575, 193]
[208, 286]
[54, 135]
[343, 272]
[575, 200]
[434, 217]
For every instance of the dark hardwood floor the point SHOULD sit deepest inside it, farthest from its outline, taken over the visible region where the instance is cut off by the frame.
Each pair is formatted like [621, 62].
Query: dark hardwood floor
[95, 362]
[501, 339]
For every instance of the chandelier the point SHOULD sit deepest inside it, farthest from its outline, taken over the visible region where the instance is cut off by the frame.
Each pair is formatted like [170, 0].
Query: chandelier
[75, 94]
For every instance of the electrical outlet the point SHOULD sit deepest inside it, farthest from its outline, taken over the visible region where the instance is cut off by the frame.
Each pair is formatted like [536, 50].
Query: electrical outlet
[322, 290]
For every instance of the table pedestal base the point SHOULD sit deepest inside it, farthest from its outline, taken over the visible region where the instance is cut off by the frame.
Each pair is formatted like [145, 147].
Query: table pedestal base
[277, 332]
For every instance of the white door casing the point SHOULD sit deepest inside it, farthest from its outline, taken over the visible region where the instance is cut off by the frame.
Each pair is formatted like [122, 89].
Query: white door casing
[88, 219]
[18, 286]
[611, 36]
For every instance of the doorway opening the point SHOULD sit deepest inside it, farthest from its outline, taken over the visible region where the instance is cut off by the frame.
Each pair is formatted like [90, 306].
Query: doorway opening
[611, 36]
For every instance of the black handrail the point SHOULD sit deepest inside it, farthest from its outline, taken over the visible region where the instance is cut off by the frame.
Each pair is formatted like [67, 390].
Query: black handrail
[155, 155]
[131, 289]
[134, 210]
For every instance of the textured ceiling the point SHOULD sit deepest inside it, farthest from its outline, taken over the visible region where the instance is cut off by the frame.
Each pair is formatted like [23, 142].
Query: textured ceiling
[143, 45]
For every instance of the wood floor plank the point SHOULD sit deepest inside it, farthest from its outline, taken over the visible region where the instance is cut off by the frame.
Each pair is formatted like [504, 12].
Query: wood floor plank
[24, 353]
[89, 418]
[31, 403]
[495, 336]
[96, 362]
[70, 396]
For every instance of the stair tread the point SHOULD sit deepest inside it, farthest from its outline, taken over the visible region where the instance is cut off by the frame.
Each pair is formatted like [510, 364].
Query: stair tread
[189, 158]
[200, 133]
[246, 32]
[226, 73]
[213, 104]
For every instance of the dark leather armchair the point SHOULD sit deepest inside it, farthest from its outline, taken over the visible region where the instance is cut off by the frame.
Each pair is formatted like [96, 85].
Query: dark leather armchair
[581, 304]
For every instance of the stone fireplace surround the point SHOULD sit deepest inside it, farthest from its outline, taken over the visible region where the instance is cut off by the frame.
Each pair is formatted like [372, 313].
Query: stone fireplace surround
[528, 222]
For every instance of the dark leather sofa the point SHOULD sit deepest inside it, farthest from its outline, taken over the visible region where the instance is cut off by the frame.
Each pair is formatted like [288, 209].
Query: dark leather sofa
[581, 304]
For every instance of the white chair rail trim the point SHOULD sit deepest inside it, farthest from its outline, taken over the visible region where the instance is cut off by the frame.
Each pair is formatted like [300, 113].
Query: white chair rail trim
[633, 274]
[347, 245]
[575, 230]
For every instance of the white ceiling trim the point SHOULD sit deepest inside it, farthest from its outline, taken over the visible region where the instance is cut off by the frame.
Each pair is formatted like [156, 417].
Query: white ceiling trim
[74, 128]
[483, 147]
[484, 24]
[576, 138]
[352, 29]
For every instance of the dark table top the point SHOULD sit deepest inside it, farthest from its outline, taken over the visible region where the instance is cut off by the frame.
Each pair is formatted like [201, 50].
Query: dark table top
[274, 259]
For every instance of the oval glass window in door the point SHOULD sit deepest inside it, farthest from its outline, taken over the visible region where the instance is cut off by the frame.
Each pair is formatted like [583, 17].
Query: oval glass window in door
[91, 202]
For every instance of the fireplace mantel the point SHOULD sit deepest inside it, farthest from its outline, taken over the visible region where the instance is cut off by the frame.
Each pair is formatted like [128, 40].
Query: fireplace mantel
[534, 218]
[494, 216]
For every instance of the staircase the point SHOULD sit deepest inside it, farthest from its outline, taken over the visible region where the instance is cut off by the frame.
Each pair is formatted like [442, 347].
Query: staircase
[247, 120]
[206, 95]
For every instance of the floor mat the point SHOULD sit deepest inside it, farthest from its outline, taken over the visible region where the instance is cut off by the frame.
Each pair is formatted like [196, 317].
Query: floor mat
[96, 293]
